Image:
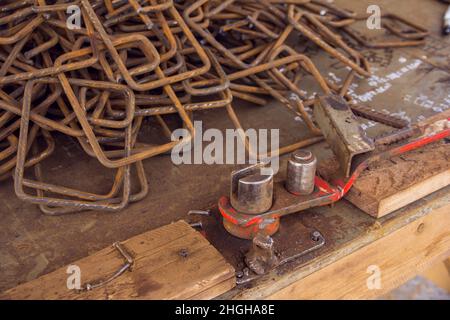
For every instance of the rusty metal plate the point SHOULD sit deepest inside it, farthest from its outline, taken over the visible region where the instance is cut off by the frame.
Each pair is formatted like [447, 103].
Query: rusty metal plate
[292, 243]
[341, 130]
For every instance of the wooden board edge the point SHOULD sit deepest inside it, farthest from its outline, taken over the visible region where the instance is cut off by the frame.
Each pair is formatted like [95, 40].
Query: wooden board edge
[367, 204]
[430, 226]
[222, 282]
[217, 290]
[413, 193]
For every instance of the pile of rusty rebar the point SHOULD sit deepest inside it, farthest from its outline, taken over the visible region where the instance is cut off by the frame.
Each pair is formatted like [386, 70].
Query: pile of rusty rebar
[133, 59]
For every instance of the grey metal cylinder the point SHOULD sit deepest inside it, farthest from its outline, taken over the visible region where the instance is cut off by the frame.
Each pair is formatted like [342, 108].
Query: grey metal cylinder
[253, 193]
[301, 172]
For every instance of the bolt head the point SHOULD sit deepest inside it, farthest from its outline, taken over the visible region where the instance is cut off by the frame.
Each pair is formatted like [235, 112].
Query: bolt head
[316, 236]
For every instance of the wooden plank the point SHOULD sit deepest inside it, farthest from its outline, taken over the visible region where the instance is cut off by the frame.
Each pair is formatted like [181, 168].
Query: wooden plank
[399, 256]
[447, 265]
[159, 271]
[215, 291]
[439, 274]
[413, 193]
[393, 184]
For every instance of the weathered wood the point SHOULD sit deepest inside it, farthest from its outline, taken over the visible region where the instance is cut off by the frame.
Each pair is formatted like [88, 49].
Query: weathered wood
[393, 184]
[215, 291]
[398, 256]
[159, 271]
[447, 265]
[439, 274]
[413, 193]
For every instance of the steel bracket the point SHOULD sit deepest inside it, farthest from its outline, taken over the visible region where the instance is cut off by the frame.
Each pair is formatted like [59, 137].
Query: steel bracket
[341, 130]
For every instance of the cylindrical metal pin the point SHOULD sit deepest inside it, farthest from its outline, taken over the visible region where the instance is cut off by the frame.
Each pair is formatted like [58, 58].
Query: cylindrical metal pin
[301, 171]
[253, 193]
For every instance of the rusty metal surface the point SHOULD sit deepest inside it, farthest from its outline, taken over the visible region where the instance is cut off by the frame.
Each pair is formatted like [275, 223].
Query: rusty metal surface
[32, 245]
[105, 77]
[292, 240]
[341, 130]
[435, 49]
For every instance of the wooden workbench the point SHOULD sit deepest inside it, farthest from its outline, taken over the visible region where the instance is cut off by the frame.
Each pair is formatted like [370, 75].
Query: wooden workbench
[400, 244]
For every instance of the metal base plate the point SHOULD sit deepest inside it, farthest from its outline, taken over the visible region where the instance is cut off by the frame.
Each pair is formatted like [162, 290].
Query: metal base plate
[292, 243]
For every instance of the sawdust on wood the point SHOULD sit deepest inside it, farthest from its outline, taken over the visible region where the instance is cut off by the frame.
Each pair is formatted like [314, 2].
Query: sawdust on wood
[387, 177]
